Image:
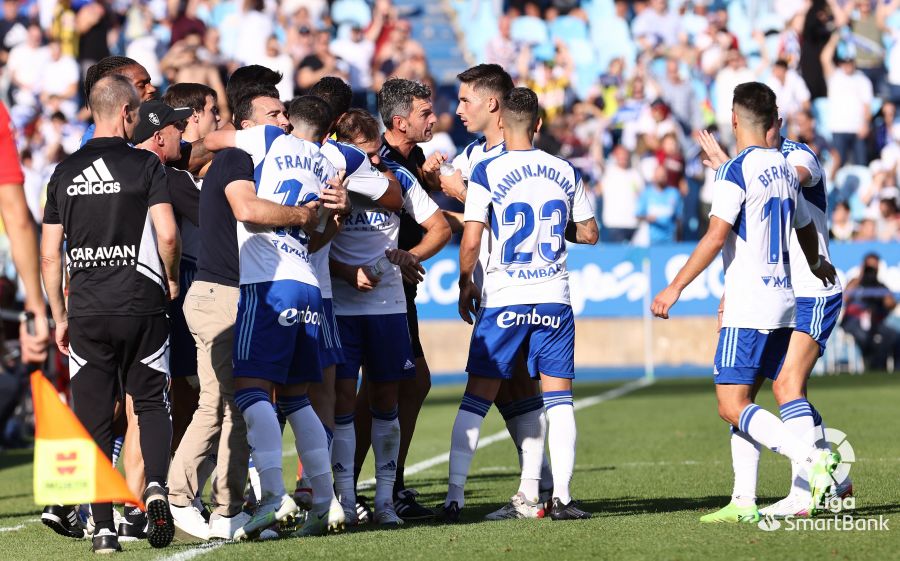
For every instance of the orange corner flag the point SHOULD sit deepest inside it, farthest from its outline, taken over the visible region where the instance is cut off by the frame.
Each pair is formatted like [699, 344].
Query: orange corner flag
[69, 468]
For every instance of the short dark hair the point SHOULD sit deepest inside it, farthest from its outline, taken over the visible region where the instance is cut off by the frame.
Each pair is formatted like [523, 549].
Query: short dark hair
[781, 63]
[110, 93]
[106, 66]
[188, 94]
[520, 108]
[396, 98]
[252, 76]
[336, 93]
[310, 111]
[488, 77]
[758, 100]
[243, 108]
[355, 124]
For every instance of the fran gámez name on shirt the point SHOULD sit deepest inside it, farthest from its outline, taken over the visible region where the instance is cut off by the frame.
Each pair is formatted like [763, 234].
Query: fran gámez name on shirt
[104, 256]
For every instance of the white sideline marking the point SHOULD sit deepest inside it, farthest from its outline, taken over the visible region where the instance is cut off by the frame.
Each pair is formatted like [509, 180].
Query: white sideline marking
[194, 551]
[19, 526]
[503, 435]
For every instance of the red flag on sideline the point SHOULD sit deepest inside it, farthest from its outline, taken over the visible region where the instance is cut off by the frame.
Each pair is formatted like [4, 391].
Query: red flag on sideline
[69, 468]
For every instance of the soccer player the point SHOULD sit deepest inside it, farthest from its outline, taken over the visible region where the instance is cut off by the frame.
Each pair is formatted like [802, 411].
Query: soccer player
[280, 314]
[755, 205]
[818, 308]
[371, 184]
[532, 202]
[371, 312]
[519, 400]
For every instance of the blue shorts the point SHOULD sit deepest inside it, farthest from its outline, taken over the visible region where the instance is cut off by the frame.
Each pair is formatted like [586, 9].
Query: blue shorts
[379, 342]
[182, 347]
[276, 335]
[817, 317]
[545, 332]
[331, 351]
[745, 354]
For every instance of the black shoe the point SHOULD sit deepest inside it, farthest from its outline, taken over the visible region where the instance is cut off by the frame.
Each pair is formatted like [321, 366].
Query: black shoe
[205, 513]
[363, 511]
[133, 526]
[570, 511]
[449, 513]
[64, 521]
[407, 508]
[105, 541]
[160, 525]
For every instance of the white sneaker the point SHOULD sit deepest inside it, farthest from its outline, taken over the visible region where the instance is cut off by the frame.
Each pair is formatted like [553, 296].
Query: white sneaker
[271, 510]
[386, 516]
[795, 504]
[224, 527]
[518, 507]
[189, 522]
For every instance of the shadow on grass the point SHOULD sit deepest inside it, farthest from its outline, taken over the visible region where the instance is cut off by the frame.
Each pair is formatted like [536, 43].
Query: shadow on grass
[15, 458]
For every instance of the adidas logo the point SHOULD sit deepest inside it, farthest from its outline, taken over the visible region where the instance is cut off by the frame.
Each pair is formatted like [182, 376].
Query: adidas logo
[94, 180]
[409, 364]
[338, 468]
[390, 466]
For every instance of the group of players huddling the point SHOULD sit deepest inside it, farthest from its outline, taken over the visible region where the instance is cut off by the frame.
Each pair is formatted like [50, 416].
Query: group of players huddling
[304, 340]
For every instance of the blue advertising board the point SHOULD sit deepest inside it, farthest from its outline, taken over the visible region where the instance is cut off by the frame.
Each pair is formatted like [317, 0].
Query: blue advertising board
[610, 280]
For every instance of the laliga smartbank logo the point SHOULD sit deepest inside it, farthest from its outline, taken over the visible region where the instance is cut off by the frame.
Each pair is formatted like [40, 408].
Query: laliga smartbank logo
[835, 513]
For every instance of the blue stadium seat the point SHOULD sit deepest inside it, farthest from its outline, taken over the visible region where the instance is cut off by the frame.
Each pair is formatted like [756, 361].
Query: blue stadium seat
[612, 38]
[822, 110]
[529, 29]
[849, 183]
[479, 29]
[351, 11]
[569, 29]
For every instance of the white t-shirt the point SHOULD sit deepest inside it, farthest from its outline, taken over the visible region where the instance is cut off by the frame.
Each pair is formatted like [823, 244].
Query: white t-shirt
[358, 56]
[621, 190]
[757, 193]
[791, 95]
[813, 192]
[365, 180]
[289, 171]
[847, 93]
[368, 232]
[526, 197]
[59, 75]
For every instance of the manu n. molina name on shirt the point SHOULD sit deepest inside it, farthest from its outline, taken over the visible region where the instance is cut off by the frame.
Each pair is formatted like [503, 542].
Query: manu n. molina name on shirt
[105, 256]
[515, 176]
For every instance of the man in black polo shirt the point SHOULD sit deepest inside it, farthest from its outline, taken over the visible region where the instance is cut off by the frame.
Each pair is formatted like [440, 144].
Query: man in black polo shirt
[111, 204]
[406, 110]
[210, 309]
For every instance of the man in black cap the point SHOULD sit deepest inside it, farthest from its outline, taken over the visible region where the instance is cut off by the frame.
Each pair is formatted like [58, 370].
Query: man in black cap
[111, 204]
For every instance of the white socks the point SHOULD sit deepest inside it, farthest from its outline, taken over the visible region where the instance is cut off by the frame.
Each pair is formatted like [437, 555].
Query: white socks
[798, 418]
[343, 448]
[520, 416]
[561, 439]
[530, 434]
[386, 448]
[744, 461]
[463, 442]
[765, 428]
[312, 446]
[264, 437]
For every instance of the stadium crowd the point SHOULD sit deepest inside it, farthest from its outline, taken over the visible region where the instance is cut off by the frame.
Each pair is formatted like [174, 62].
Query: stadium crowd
[625, 86]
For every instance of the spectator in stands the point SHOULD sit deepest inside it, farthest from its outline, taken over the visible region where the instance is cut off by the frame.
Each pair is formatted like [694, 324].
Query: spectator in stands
[501, 49]
[735, 72]
[620, 188]
[841, 223]
[866, 25]
[791, 92]
[656, 25]
[186, 21]
[850, 99]
[549, 77]
[60, 78]
[680, 96]
[25, 64]
[660, 206]
[280, 62]
[254, 24]
[357, 51]
[320, 63]
[12, 28]
[804, 129]
[670, 159]
[93, 23]
[867, 303]
[888, 224]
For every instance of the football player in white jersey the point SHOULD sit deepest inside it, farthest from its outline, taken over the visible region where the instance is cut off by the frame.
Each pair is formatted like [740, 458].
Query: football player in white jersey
[756, 204]
[519, 400]
[817, 312]
[364, 179]
[371, 311]
[280, 314]
[530, 201]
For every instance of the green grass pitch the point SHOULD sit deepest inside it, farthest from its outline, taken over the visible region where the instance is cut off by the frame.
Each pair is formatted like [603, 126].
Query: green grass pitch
[649, 464]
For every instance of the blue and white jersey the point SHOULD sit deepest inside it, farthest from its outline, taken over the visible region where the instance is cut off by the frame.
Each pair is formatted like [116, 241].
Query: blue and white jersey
[475, 153]
[805, 283]
[527, 197]
[757, 193]
[364, 179]
[292, 172]
[367, 233]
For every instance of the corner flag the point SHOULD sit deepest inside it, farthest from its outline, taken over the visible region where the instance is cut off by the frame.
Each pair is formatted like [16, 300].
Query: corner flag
[69, 468]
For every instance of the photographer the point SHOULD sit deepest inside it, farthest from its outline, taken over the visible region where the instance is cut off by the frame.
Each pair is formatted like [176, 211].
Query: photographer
[868, 303]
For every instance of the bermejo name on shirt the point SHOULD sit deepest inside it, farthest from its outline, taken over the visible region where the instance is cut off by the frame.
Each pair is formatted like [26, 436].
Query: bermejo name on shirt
[517, 175]
[104, 256]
